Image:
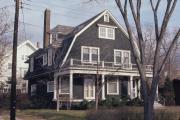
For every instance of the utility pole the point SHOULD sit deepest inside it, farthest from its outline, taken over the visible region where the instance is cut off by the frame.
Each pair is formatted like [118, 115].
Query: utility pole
[14, 62]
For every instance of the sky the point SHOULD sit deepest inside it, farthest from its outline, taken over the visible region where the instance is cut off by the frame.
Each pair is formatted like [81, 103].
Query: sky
[74, 12]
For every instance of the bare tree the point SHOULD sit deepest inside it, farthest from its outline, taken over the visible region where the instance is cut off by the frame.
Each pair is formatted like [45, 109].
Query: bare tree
[5, 27]
[149, 91]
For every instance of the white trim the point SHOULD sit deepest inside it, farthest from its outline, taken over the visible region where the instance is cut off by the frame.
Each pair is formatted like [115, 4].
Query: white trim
[122, 56]
[48, 85]
[90, 54]
[107, 26]
[103, 87]
[106, 15]
[89, 97]
[117, 83]
[106, 32]
[60, 92]
[71, 86]
[97, 18]
[45, 59]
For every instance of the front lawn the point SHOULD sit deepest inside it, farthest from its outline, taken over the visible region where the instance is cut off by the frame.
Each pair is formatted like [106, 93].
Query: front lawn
[121, 113]
[46, 114]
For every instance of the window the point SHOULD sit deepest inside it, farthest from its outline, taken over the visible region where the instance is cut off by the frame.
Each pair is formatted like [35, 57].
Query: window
[9, 65]
[45, 59]
[113, 87]
[118, 57]
[106, 32]
[122, 57]
[106, 18]
[89, 89]
[24, 57]
[64, 86]
[59, 35]
[31, 64]
[50, 86]
[33, 89]
[49, 57]
[89, 54]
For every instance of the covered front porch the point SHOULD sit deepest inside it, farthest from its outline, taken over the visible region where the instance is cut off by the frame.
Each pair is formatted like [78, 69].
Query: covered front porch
[76, 86]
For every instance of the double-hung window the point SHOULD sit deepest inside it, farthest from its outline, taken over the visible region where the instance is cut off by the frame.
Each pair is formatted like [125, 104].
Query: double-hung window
[113, 87]
[107, 32]
[122, 57]
[89, 54]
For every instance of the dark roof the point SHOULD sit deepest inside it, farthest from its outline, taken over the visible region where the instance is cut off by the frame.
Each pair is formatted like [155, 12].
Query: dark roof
[63, 29]
[61, 52]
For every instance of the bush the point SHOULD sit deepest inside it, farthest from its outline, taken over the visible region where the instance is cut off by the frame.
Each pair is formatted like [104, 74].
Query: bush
[135, 102]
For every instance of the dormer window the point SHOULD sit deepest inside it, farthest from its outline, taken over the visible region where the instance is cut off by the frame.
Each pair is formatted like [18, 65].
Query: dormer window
[106, 18]
[59, 36]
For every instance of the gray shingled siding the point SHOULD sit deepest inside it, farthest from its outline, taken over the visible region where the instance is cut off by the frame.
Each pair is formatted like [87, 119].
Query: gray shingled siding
[107, 46]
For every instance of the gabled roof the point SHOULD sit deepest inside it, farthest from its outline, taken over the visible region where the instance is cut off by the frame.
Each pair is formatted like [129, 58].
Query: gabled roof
[67, 43]
[29, 43]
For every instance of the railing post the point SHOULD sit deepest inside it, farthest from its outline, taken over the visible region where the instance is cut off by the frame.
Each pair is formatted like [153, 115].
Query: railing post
[103, 64]
[71, 62]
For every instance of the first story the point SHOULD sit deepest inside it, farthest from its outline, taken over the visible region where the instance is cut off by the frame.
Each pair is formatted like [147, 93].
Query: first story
[76, 86]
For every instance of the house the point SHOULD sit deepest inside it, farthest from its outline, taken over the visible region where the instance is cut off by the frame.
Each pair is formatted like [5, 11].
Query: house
[77, 57]
[24, 49]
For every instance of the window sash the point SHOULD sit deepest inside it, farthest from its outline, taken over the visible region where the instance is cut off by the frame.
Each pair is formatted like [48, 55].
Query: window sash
[107, 32]
[64, 86]
[90, 54]
[50, 86]
[113, 87]
[122, 57]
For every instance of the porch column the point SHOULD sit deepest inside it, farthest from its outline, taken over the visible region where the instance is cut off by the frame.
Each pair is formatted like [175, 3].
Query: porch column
[55, 87]
[103, 88]
[131, 87]
[71, 86]
[139, 88]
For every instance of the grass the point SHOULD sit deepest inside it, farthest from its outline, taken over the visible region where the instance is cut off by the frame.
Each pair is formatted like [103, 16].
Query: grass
[105, 114]
[46, 114]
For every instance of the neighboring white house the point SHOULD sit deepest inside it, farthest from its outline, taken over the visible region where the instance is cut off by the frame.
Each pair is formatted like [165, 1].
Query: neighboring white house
[23, 51]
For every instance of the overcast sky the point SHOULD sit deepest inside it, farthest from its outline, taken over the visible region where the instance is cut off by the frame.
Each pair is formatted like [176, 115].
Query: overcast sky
[74, 12]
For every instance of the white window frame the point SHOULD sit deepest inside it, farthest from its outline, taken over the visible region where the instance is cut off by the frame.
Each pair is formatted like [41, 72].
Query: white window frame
[106, 27]
[89, 97]
[33, 89]
[122, 56]
[45, 59]
[90, 54]
[106, 20]
[50, 57]
[31, 64]
[48, 86]
[60, 91]
[117, 83]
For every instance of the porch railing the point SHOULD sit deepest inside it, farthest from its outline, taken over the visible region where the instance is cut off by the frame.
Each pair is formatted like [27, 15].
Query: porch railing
[106, 65]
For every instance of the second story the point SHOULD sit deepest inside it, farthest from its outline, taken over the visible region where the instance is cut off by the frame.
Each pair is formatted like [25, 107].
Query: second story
[100, 41]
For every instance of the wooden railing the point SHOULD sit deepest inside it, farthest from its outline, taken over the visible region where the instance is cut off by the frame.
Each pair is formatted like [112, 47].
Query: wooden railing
[106, 65]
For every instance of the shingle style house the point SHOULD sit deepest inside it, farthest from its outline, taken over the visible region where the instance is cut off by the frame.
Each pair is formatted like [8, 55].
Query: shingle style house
[98, 46]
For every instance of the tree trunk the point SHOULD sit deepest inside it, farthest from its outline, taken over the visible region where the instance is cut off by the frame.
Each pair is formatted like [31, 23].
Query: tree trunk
[148, 109]
[97, 101]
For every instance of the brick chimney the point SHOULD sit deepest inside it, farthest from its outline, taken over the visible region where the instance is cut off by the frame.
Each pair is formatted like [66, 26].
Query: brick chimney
[46, 37]
[37, 45]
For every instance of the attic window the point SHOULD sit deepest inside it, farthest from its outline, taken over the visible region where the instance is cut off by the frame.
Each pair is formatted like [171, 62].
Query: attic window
[106, 18]
[59, 35]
